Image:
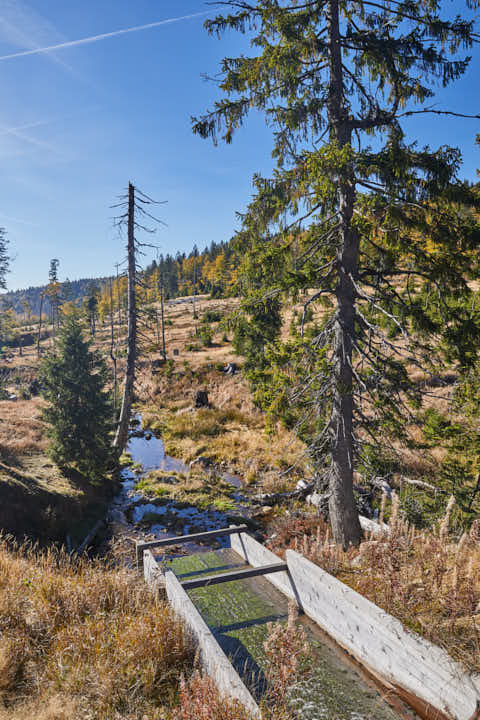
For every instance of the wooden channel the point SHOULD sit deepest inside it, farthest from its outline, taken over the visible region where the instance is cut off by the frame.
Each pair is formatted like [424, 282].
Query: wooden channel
[140, 547]
[233, 575]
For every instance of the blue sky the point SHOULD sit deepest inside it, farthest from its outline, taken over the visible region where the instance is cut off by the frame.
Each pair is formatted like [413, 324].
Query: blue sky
[77, 124]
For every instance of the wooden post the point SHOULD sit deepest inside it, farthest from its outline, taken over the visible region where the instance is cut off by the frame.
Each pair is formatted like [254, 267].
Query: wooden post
[121, 436]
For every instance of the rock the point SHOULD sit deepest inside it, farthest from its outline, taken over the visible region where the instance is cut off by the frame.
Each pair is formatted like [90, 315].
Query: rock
[382, 485]
[205, 462]
[201, 399]
[302, 485]
[34, 387]
[117, 516]
[318, 500]
[368, 525]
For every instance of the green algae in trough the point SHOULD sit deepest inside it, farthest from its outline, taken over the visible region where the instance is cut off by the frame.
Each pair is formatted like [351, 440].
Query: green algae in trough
[238, 613]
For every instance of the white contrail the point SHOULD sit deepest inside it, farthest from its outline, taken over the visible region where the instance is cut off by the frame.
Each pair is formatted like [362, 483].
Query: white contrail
[104, 36]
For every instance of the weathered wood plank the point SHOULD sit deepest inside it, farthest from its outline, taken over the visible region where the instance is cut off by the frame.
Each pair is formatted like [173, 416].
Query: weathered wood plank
[233, 575]
[152, 572]
[256, 554]
[141, 546]
[413, 666]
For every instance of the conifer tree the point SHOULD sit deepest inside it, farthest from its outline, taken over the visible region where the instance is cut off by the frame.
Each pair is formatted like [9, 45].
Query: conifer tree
[79, 412]
[379, 228]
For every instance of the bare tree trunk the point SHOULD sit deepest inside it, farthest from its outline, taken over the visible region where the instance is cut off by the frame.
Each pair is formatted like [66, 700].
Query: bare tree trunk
[122, 429]
[119, 297]
[40, 325]
[164, 352]
[112, 353]
[343, 512]
[194, 282]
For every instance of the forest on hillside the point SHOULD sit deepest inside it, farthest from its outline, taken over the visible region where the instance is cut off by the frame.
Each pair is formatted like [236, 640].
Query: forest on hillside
[210, 271]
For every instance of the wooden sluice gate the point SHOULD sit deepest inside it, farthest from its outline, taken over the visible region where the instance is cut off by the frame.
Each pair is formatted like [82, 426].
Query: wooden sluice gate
[366, 666]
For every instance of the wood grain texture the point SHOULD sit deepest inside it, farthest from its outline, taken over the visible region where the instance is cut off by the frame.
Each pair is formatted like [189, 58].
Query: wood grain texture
[415, 667]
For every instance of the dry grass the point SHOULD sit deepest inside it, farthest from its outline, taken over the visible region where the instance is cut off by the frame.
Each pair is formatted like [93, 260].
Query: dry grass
[21, 429]
[428, 580]
[229, 436]
[200, 700]
[84, 639]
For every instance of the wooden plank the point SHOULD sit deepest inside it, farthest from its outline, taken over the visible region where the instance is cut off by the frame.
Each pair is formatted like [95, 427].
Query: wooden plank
[419, 671]
[141, 546]
[212, 657]
[152, 572]
[233, 575]
[255, 554]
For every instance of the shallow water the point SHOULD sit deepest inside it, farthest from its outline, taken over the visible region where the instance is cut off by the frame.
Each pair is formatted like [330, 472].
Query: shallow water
[151, 454]
[163, 519]
[238, 614]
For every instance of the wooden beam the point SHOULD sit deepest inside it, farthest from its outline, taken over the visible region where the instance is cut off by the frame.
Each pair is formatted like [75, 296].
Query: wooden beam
[233, 575]
[141, 546]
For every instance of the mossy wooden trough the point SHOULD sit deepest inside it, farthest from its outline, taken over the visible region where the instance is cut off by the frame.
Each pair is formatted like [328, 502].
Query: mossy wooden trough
[416, 671]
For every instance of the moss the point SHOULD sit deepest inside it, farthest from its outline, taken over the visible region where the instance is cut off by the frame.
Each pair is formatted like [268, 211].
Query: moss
[195, 489]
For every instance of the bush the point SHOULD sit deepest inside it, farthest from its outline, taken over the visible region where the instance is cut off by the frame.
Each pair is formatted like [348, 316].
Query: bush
[25, 394]
[206, 335]
[211, 316]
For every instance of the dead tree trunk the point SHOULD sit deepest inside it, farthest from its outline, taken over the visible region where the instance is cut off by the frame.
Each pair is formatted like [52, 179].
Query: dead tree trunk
[40, 325]
[119, 297]
[164, 352]
[346, 528]
[113, 353]
[122, 429]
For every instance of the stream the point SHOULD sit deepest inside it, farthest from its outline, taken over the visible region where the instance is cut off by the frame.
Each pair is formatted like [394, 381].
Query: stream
[239, 612]
[141, 518]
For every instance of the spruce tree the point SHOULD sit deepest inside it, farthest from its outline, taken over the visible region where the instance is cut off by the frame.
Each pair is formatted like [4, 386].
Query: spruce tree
[80, 411]
[381, 229]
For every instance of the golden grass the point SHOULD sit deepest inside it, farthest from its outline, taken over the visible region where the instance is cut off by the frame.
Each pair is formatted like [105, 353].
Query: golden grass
[21, 429]
[85, 639]
[227, 435]
[428, 580]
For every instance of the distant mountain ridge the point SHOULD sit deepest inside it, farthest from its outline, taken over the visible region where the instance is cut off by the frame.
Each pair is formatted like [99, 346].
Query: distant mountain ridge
[72, 290]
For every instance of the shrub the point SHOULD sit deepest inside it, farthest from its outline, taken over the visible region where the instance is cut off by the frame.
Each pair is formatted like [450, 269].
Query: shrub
[211, 316]
[206, 335]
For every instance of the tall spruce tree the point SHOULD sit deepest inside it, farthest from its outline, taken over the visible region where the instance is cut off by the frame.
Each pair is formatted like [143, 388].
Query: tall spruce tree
[379, 228]
[79, 411]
